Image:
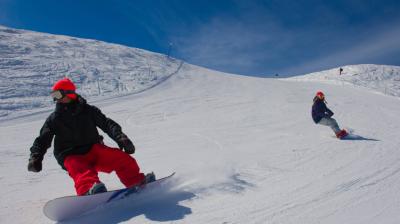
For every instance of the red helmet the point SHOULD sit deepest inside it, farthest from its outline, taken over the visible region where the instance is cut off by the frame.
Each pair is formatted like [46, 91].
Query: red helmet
[67, 85]
[320, 94]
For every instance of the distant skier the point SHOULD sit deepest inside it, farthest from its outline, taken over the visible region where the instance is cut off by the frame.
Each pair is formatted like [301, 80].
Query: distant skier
[340, 71]
[321, 114]
[79, 148]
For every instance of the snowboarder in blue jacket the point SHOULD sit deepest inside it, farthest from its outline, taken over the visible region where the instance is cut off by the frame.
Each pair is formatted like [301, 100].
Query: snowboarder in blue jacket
[321, 114]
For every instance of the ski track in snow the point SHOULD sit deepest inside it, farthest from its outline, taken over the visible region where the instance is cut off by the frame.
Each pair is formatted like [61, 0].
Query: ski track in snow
[245, 150]
[31, 62]
[238, 156]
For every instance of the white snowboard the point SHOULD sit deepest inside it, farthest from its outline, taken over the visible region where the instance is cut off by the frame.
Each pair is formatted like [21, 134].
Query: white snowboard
[69, 207]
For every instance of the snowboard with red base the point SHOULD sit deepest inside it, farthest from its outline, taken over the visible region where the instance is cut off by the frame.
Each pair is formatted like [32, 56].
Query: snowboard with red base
[69, 207]
[342, 134]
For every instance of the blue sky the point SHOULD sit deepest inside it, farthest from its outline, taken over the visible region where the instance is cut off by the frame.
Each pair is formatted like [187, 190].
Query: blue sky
[250, 37]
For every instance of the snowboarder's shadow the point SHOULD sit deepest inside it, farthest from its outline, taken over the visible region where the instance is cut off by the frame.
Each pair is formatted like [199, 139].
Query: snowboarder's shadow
[359, 138]
[163, 208]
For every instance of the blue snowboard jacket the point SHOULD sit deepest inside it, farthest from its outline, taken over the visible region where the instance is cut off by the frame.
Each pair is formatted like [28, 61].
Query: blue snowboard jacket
[320, 110]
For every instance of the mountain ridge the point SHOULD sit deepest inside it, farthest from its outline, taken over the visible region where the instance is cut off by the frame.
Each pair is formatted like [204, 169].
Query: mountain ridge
[30, 62]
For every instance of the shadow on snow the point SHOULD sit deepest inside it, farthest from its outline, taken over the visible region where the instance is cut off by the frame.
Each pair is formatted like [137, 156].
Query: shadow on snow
[160, 206]
[359, 138]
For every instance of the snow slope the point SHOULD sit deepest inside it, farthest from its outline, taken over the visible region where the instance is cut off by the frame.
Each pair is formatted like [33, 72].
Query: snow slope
[245, 150]
[30, 63]
[380, 78]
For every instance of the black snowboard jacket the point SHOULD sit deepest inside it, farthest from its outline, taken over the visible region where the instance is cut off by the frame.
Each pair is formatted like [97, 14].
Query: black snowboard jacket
[74, 128]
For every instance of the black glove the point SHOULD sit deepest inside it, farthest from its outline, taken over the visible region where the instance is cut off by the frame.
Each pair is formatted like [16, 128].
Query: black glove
[35, 164]
[124, 143]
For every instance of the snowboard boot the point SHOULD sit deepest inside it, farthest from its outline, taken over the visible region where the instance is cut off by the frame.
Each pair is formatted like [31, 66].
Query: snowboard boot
[150, 177]
[341, 134]
[97, 188]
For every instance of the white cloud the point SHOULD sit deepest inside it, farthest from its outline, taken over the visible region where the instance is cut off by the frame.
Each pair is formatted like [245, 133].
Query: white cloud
[378, 45]
[232, 43]
[258, 40]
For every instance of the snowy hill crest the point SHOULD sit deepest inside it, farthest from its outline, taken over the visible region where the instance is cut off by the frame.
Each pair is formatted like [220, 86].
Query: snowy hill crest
[31, 62]
[379, 78]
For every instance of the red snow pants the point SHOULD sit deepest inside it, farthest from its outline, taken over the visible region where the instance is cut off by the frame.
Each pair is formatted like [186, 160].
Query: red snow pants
[84, 168]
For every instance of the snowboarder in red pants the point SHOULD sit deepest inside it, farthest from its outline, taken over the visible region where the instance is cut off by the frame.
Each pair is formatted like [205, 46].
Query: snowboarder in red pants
[321, 114]
[79, 148]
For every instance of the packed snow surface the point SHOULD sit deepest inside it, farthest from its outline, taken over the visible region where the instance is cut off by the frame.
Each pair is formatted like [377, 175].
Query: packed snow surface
[245, 150]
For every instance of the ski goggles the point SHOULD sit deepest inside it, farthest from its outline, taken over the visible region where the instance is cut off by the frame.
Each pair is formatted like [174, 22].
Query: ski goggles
[59, 94]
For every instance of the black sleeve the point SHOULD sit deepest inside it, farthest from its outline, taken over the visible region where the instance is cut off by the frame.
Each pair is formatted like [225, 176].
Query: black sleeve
[43, 141]
[110, 127]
